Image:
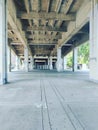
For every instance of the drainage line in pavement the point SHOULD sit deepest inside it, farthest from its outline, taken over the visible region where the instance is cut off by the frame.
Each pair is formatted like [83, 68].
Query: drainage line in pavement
[68, 106]
[62, 106]
[47, 107]
[41, 106]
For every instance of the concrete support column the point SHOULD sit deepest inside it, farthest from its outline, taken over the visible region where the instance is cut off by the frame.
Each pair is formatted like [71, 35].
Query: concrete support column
[26, 56]
[50, 65]
[64, 63]
[32, 63]
[17, 63]
[59, 60]
[9, 59]
[75, 59]
[94, 40]
[3, 42]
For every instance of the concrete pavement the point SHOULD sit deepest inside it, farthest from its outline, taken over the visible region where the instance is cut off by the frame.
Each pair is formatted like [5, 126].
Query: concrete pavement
[46, 100]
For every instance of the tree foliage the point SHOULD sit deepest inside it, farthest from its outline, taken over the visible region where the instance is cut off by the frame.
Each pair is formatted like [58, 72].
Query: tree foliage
[83, 55]
[69, 59]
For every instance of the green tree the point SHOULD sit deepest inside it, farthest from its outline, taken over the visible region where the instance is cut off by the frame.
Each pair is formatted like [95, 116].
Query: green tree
[69, 59]
[83, 53]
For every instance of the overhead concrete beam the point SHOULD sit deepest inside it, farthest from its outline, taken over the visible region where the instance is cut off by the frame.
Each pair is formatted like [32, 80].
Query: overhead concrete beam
[47, 16]
[48, 5]
[26, 2]
[47, 36]
[74, 27]
[67, 6]
[45, 28]
[41, 44]
[16, 25]
[42, 41]
[16, 43]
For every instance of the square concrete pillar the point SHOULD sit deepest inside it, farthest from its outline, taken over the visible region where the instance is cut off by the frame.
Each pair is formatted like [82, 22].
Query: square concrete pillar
[9, 59]
[26, 56]
[50, 64]
[17, 64]
[31, 63]
[64, 63]
[3, 42]
[94, 41]
[59, 60]
[75, 59]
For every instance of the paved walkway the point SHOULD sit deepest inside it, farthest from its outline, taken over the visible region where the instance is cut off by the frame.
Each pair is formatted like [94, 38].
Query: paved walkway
[49, 101]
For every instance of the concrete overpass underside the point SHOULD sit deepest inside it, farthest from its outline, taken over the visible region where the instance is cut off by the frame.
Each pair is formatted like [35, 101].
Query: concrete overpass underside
[41, 33]
[49, 30]
[45, 28]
